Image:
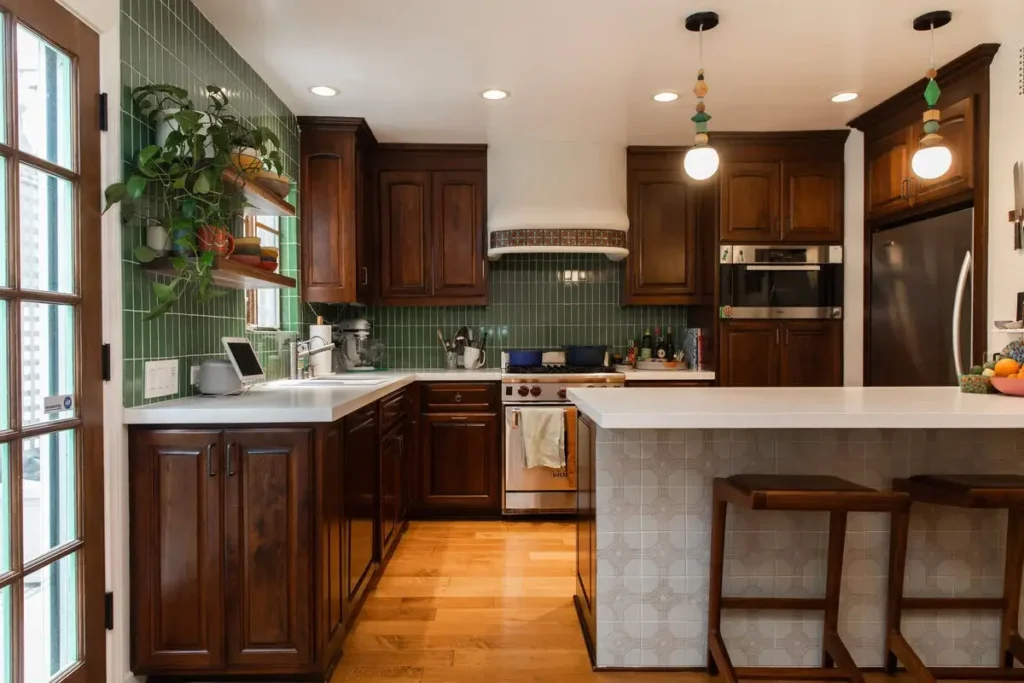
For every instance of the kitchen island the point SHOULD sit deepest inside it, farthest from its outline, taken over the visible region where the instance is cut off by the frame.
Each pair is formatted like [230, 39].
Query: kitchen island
[646, 461]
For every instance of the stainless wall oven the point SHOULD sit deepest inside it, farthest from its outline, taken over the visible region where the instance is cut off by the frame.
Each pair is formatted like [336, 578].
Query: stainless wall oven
[768, 281]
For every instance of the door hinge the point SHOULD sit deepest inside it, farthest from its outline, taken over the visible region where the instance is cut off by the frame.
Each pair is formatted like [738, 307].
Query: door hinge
[104, 112]
[108, 611]
[105, 362]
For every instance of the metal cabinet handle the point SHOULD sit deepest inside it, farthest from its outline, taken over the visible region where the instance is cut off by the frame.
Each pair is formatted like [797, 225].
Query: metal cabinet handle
[787, 336]
[903, 189]
[209, 460]
[776, 336]
[366, 276]
[457, 417]
[231, 459]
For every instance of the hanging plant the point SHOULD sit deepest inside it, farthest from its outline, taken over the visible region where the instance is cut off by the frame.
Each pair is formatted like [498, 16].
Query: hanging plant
[178, 183]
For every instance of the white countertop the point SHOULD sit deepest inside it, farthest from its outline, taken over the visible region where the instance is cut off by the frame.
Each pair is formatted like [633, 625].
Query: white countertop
[288, 402]
[794, 408]
[668, 375]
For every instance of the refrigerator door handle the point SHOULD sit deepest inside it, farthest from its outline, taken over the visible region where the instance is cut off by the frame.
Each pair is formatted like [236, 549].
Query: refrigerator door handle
[958, 302]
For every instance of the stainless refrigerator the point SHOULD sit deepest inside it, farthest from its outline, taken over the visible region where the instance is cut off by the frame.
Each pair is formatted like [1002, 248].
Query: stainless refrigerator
[920, 293]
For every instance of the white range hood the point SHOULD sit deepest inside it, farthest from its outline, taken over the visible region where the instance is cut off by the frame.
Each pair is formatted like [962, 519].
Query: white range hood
[556, 197]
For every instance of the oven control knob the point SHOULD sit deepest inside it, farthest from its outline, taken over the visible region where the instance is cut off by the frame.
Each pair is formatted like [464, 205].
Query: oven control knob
[523, 391]
[561, 393]
[535, 391]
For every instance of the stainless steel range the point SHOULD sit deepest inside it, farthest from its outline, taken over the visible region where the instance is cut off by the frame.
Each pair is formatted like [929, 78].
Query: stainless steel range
[541, 489]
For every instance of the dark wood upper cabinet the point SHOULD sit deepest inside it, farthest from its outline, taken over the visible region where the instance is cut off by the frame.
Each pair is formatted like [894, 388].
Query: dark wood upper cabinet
[812, 201]
[405, 234]
[811, 353]
[361, 494]
[336, 220]
[461, 462]
[749, 354]
[662, 264]
[268, 553]
[432, 206]
[957, 129]
[177, 574]
[887, 167]
[459, 233]
[750, 201]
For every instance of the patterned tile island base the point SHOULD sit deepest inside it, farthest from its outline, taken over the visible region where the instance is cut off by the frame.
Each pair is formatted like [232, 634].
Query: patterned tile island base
[653, 545]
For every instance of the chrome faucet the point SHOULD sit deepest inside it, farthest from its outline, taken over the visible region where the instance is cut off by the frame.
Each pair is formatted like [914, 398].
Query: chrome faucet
[296, 353]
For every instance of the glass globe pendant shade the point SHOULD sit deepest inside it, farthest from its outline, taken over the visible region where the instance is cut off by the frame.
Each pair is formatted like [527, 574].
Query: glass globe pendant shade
[700, 163]
[931, 162]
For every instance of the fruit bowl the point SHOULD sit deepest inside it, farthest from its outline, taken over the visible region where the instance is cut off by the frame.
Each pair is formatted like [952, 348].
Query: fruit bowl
[1008, 386]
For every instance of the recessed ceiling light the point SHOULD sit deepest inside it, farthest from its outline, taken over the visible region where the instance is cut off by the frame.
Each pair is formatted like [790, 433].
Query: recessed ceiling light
[665, 97]
[844, 97]
[323, 91]
[494, 94]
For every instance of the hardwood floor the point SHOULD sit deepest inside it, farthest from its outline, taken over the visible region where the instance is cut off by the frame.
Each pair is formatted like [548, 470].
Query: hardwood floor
[485, 602]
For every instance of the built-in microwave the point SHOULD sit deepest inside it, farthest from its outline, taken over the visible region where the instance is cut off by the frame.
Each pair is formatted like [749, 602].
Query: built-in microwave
[765, 281]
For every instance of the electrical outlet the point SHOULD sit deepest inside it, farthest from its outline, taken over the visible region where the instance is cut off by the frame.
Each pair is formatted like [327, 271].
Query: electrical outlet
[161, 378]
[193, 375]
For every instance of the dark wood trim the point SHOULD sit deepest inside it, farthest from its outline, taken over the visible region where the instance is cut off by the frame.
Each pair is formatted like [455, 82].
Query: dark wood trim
[345, 124]
[419, 157]
[964, 66]
[440, 148]
[591, 652]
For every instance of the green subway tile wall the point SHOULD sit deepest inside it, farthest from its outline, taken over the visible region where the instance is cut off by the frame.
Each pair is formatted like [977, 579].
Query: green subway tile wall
[536, 300]
[170, 41]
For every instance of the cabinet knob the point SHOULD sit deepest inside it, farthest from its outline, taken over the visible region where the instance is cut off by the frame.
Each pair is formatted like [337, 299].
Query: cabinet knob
[458, 398]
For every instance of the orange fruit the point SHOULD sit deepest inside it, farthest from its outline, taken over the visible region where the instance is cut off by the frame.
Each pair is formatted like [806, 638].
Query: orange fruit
[1013, 376]
[1006, 367]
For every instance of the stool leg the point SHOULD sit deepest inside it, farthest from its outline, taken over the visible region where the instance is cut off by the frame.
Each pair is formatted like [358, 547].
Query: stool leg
[898, 532]
[1010, 640]
[833, 579]
[715, 579]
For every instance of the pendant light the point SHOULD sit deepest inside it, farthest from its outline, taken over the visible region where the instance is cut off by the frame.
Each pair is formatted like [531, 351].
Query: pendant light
[933, 158]
[701, 160]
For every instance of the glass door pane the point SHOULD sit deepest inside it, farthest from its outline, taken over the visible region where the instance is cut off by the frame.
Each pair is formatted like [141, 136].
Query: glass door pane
[44, 99]
[47, 493]
[5, 511]
[47, 362]
[6, 636]
[46, 205]
[51, 619]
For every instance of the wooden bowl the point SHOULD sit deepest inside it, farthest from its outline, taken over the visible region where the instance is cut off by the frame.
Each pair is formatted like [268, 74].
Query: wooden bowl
[1010, 387]
[269, 252]
[269, 264]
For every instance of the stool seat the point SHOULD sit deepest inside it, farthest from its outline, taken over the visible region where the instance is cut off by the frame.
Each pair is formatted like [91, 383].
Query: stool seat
[996, 491]
[805, 492]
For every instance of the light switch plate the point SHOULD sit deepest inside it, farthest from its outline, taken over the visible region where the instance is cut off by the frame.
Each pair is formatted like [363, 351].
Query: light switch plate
[161, 378]
[193, 375]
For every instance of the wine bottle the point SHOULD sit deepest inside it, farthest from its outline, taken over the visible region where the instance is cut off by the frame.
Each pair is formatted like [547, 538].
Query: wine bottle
[646, 346]
[660, 351]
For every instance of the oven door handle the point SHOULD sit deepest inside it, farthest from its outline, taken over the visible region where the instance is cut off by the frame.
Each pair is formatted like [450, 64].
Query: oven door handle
[809, 268]
[515, 413]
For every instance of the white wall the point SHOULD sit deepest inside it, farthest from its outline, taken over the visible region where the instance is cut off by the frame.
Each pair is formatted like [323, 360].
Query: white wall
[853, 258]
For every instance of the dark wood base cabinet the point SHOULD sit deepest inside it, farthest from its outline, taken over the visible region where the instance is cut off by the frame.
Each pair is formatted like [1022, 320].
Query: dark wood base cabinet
[791, 353]
[586, 530]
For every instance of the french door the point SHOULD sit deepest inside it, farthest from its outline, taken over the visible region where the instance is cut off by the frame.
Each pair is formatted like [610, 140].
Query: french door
[51, 413]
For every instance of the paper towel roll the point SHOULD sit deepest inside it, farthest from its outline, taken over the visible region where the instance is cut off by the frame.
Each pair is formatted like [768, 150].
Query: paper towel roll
[321, 363]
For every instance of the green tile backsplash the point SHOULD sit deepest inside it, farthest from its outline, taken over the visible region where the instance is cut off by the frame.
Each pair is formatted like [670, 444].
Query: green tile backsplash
[170, 41]
[536, 300]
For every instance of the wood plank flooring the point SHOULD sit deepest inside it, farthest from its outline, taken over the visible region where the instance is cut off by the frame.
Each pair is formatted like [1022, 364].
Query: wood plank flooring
[485, 602]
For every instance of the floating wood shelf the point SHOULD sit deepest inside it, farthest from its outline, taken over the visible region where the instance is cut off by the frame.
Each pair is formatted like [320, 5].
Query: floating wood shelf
[264, 202]
[229, 274]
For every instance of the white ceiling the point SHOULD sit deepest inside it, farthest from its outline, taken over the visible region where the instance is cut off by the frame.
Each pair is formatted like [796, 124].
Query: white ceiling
[586, 69]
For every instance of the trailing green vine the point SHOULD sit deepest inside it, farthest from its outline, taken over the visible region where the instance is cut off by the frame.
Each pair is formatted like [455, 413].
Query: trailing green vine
[179, 184]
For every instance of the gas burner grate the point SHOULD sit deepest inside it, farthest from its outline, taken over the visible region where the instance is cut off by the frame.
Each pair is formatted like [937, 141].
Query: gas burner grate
[557, 369]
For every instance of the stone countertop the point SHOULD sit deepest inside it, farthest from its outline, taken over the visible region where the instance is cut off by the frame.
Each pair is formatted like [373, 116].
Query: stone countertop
[668, 375]
[798, 408]
[291, 401]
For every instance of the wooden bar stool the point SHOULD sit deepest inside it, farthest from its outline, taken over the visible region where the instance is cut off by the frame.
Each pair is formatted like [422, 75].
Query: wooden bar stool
[791, 492]
[990, 491]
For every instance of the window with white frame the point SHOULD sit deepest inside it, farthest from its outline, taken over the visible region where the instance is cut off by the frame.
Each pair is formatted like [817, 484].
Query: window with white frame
[263, 306]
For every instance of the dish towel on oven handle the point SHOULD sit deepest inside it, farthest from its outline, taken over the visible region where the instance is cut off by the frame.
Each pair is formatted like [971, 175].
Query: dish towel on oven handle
[543, 434]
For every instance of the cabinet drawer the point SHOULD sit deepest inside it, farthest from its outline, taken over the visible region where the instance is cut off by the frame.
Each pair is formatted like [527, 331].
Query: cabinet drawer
[445, 397]
[393, 409]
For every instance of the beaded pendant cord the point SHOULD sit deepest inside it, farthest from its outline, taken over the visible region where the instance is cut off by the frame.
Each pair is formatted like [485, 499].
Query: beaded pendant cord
[931, 96]
[701, 118]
